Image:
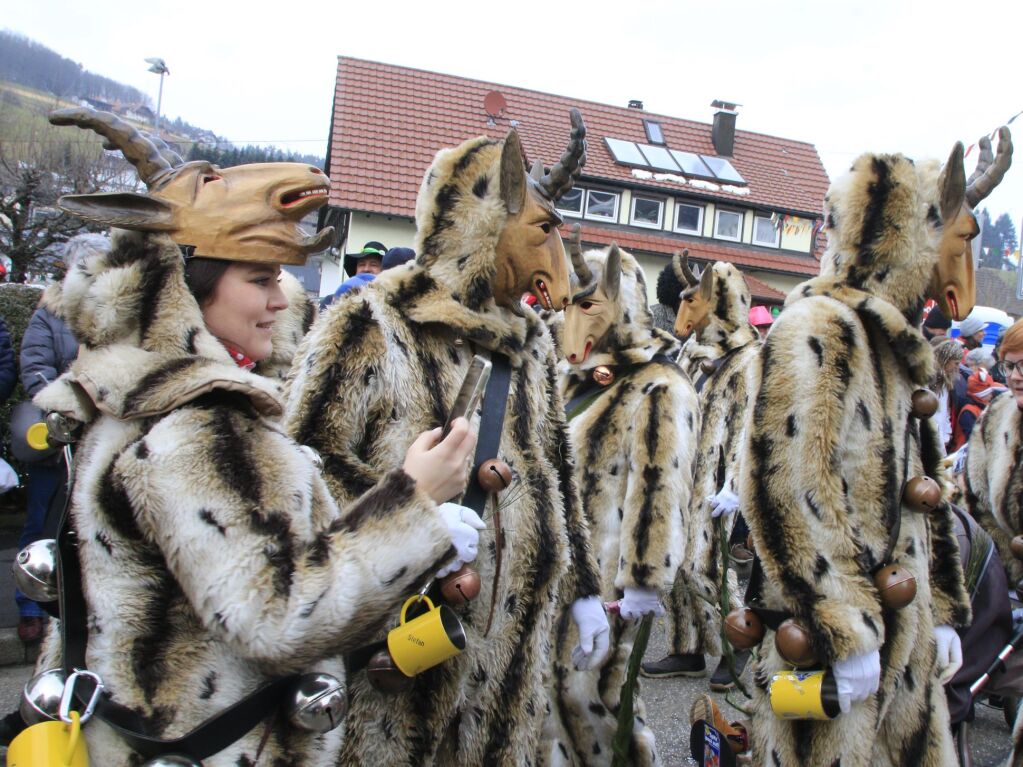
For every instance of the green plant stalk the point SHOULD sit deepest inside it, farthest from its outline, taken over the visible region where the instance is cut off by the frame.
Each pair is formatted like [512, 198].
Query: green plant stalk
[626, 700]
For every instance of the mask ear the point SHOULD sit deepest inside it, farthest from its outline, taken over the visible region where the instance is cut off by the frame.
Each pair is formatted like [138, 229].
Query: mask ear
[513, 174]
[125, 210]
[953, 184]
[613, 272]
[707, 283]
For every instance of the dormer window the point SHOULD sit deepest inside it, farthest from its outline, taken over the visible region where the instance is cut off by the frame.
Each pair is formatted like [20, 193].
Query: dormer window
[654, 134]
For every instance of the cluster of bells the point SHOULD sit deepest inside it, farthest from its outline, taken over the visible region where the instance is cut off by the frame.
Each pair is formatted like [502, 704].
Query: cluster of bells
[896, 586]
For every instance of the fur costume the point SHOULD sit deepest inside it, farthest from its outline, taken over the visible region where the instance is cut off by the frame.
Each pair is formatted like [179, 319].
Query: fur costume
[730, 342]
[381, 367]
[213, 557]
[633, 449]
[830, 444]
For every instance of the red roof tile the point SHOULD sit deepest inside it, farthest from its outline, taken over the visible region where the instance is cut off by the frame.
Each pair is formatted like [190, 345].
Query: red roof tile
[389, 121]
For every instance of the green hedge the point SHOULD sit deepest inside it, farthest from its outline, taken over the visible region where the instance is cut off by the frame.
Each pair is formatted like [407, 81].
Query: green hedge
[17, 302]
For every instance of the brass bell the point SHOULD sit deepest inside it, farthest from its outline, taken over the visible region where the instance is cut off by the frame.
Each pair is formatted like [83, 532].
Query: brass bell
[385, 676]
[896, 586]
[494, 475]
[921, 494]
[61, 429]
[924, 404]
[319, 702]
[35, 570]
[792, 641]
[743, 629]
[460, 587]
[603, 375]
[1016, 546]
[40, 698]
[172, 760]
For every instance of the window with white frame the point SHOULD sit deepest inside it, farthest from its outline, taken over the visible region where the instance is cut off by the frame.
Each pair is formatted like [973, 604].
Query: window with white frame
[765, 232]
[571, 202]
[647, 211]
[728, 225]
[688, 218]
[601, 205]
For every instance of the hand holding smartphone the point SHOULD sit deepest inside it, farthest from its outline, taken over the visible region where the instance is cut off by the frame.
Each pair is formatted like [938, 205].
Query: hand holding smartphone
[471, 393]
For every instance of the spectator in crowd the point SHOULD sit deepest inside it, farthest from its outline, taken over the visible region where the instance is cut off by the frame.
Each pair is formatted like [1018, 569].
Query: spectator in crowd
[981, 388]
[947, 355]
[368, 260]
[936, 325]
[971, 332]
[669, 290]
[760, 318]
[394, 257]
[47, 349]
[8, 366]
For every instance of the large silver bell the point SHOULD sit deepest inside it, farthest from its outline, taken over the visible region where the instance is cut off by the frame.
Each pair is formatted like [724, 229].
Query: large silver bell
[35, 570]
[40, 698]
[61, 429]
[174, 760]
[318, 704]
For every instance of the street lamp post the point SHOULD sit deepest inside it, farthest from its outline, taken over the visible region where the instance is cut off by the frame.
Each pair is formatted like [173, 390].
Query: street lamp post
[158, 67]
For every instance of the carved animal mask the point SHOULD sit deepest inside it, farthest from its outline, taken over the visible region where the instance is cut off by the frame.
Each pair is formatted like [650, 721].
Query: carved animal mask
[694, 309]
[530, 253]
[595, 306]
[952, 284]
[244, 213]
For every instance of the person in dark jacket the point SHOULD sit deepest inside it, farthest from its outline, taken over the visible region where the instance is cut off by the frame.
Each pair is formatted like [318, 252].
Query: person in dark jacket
[47, 349]
[8, 366]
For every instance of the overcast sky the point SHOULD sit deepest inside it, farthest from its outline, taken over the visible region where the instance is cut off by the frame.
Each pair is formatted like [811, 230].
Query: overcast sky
[846, 76]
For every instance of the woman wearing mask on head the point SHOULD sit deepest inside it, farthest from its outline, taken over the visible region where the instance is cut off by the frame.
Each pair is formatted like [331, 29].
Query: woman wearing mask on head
[213, 558]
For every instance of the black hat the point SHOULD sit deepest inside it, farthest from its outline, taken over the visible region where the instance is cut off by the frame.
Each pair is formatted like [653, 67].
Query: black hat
[936, 320]
[371, 248]
[397, 257]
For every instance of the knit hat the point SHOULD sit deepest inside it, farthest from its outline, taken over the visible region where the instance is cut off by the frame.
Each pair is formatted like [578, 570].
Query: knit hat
[971, 326]
[396, 257]
[936, 320]
[981, 386]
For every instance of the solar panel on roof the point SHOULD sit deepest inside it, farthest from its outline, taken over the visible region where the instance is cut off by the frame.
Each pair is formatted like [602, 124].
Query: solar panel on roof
[625, 152]
[691, 164]
[723, 169]
[659, 157]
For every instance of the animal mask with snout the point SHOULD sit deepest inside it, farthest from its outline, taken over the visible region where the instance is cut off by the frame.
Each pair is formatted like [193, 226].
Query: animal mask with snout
[595, 307]
[694, 307]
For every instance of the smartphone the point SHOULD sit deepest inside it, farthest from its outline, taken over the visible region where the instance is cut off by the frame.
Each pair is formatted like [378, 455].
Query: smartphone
[471, 393]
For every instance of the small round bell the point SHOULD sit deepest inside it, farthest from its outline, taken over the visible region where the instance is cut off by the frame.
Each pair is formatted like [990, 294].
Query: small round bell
[385, 676]
[40, 698]
[792, 641]
[743, 629]
[709, 366]
[172, 760]
[61, 428]
[896, 586]
[460, 587]
[923, 404]
[749, 543]
[35, 570]
[1016, 546]
[319, 702]
[921, 494]
[603, 375]
[494, 475]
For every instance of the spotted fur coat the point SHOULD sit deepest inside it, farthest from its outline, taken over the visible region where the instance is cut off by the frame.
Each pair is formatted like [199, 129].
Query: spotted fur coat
[384, 365]
[633, 449]
[213, 557]
[829, 446]
[729, 346]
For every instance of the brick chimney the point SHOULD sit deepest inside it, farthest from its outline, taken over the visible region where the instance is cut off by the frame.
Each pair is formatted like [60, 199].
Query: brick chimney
[722, 132]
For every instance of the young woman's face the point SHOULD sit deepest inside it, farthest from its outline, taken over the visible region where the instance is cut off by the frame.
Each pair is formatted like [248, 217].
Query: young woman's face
[243, 307]
[1015, 378]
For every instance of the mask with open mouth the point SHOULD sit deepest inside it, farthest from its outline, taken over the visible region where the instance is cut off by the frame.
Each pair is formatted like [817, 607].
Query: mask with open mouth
[244, 213]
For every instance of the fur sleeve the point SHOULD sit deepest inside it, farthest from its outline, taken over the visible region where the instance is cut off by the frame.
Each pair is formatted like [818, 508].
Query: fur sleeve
[255, 541]
[658, 486]
[795, 500]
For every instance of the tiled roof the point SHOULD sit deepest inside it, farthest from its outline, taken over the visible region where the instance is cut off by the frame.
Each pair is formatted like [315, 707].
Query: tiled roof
[997, 288]
[389, 122]
[701, 249]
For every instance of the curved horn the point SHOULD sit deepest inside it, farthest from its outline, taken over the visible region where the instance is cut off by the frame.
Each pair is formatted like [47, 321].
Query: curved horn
[152, 166]
[575, 250]
[689, 278]
[172, 157]
[676, 267]
[990, 168]
[564, 173]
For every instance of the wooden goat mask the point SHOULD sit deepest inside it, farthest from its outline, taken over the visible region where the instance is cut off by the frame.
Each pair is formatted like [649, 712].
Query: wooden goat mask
[530, 254]
[595, 304]
[694, 308]
[244, 213]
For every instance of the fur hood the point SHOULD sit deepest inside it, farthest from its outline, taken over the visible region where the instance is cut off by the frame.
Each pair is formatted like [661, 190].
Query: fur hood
[729, 327]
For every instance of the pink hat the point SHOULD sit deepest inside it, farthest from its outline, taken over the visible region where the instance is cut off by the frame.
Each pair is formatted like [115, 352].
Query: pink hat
[759, 315]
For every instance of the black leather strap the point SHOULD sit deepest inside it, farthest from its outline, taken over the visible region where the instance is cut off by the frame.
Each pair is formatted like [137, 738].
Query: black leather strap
[495, 402]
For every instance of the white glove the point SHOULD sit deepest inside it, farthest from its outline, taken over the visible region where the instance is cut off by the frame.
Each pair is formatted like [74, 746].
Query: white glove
[857, 678]
[464, 525]
[725, 502]
[594, 633]
[638, 602]
[949, 653]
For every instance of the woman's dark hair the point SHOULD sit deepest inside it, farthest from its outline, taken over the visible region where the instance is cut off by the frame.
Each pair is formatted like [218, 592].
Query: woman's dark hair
[668, 288]
[202, 275]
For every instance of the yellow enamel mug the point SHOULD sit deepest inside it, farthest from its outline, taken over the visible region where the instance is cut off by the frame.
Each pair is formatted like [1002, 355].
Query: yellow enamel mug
[49, 744]
[427, 640]
[804, 695]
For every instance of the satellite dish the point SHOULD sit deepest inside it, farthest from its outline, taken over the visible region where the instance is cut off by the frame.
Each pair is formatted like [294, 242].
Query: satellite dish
[494, 104]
